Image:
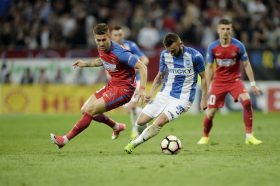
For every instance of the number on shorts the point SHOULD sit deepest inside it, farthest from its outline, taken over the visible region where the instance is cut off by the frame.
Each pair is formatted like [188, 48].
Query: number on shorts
[180, 110]
[212, 100]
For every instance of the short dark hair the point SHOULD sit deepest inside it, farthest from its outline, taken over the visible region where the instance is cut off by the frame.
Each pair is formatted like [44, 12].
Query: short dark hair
[101, 29]
[116, 27]
[170, 38]
[225, 21]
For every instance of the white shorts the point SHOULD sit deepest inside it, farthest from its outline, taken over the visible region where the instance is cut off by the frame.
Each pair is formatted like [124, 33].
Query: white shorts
[134, 98]
[170, 106]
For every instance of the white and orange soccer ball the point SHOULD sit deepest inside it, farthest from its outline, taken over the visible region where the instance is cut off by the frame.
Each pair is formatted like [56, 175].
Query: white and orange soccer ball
[171, 145]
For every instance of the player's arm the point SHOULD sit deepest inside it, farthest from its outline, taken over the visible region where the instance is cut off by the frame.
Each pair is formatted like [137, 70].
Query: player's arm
[204, 89]
[249, 72]
[145, 60]
[209, 73]
[142, 68]
[92, 63]
[136, 51]
[156, 83]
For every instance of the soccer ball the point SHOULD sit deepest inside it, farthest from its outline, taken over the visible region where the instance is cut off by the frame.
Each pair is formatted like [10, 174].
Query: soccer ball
[170, 145]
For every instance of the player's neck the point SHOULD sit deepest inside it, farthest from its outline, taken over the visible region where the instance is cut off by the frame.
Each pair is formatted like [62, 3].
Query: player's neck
[225, 42]
[107, 50]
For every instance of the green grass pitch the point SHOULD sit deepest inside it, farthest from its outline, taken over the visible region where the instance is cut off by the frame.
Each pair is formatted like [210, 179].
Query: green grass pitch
[27, 156]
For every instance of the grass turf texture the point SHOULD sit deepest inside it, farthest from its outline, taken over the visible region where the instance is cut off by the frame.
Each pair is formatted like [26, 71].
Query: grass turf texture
[27, 156]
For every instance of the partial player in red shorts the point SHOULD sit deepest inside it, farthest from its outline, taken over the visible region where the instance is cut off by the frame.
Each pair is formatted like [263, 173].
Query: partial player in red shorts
[228, 54]
[120, 64]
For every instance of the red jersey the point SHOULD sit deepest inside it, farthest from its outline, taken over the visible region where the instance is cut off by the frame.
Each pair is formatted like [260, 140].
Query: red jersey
[119, 63]
[228, 60]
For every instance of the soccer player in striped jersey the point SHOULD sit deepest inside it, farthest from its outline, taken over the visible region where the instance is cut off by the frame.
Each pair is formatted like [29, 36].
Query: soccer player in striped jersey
[117, 35]
[179, 69]
[120, 64]
[228, 54]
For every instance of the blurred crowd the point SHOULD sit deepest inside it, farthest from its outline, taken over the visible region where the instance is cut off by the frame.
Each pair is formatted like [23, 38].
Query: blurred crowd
[43, 24]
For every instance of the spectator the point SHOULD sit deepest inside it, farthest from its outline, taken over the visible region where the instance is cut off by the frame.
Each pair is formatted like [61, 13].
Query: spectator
[43, 79]
[58, 78]
[27, 77]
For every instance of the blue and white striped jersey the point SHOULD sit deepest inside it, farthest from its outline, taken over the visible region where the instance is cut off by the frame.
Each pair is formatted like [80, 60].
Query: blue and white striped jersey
[181, 73]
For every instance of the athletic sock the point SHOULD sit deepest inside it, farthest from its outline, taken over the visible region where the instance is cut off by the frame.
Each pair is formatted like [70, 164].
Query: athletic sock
[140, 128]
[147, 134]
[247, 115]
[248, 135]
[105, 119]
[133, 117]
[208, 123]
[81, 125]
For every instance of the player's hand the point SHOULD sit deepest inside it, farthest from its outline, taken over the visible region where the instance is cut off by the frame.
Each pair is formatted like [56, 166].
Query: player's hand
[256, 90]
[142, 96]
[79, 63]
[148, 98]
[203, 104]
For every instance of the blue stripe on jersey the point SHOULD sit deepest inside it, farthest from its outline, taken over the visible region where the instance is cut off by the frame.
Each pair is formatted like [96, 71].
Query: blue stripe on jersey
[193, 89]
[177, 85]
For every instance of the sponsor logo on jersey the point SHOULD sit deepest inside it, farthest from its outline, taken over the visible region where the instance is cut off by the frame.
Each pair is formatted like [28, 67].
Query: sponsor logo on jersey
[110, 67]
[225, 62]
[180, 71]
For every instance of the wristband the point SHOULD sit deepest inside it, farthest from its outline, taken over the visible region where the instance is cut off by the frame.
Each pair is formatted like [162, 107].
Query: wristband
[253, 83]
[142, 87]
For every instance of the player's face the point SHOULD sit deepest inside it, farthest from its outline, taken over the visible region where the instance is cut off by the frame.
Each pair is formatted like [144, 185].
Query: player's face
[117, 36]
[175, 48]
[224, 31]
[103, 42]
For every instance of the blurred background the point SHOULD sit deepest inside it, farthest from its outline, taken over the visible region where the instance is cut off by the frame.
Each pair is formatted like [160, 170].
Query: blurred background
[40, 39]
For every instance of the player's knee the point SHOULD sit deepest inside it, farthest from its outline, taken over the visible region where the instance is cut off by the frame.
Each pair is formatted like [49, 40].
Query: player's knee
[211, 113]
[83, 110]
[246, 103]
[161, 121]
[91, 110]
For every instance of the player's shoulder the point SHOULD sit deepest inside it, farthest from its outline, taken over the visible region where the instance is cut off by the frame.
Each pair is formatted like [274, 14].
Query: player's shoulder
[163, 52]
[117, 48]
[193, 52]
[236, 42]
[214, 44]
[129, 42]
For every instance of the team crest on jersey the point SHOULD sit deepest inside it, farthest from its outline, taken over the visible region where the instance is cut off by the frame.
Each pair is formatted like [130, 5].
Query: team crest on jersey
[187, 60]
[110, 67]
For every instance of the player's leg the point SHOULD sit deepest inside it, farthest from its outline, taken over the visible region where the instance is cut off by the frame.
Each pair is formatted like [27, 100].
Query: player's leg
[102, 118]
[207, 125]
[134, 113]
[248, 119]
[95, 107]
[216, 100]
[171, 111]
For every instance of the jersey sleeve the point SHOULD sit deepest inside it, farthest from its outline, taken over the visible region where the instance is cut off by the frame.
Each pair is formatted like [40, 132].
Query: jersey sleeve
[199, 63]
[136, 50]
[242, 52]
[162, 65]
[209, 54]
[128, 58]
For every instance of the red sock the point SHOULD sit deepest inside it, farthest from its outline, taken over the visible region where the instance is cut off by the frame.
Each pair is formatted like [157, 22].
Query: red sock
[104, 119]
[247, 115]
[207, 126]
[82, 124]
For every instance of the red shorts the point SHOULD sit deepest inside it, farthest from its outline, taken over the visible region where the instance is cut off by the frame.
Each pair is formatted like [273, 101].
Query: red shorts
[115, 96]
[219, 91]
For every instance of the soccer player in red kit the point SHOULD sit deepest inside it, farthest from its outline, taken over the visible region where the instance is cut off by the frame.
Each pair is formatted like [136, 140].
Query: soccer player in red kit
[120, 64]
[228, 54]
